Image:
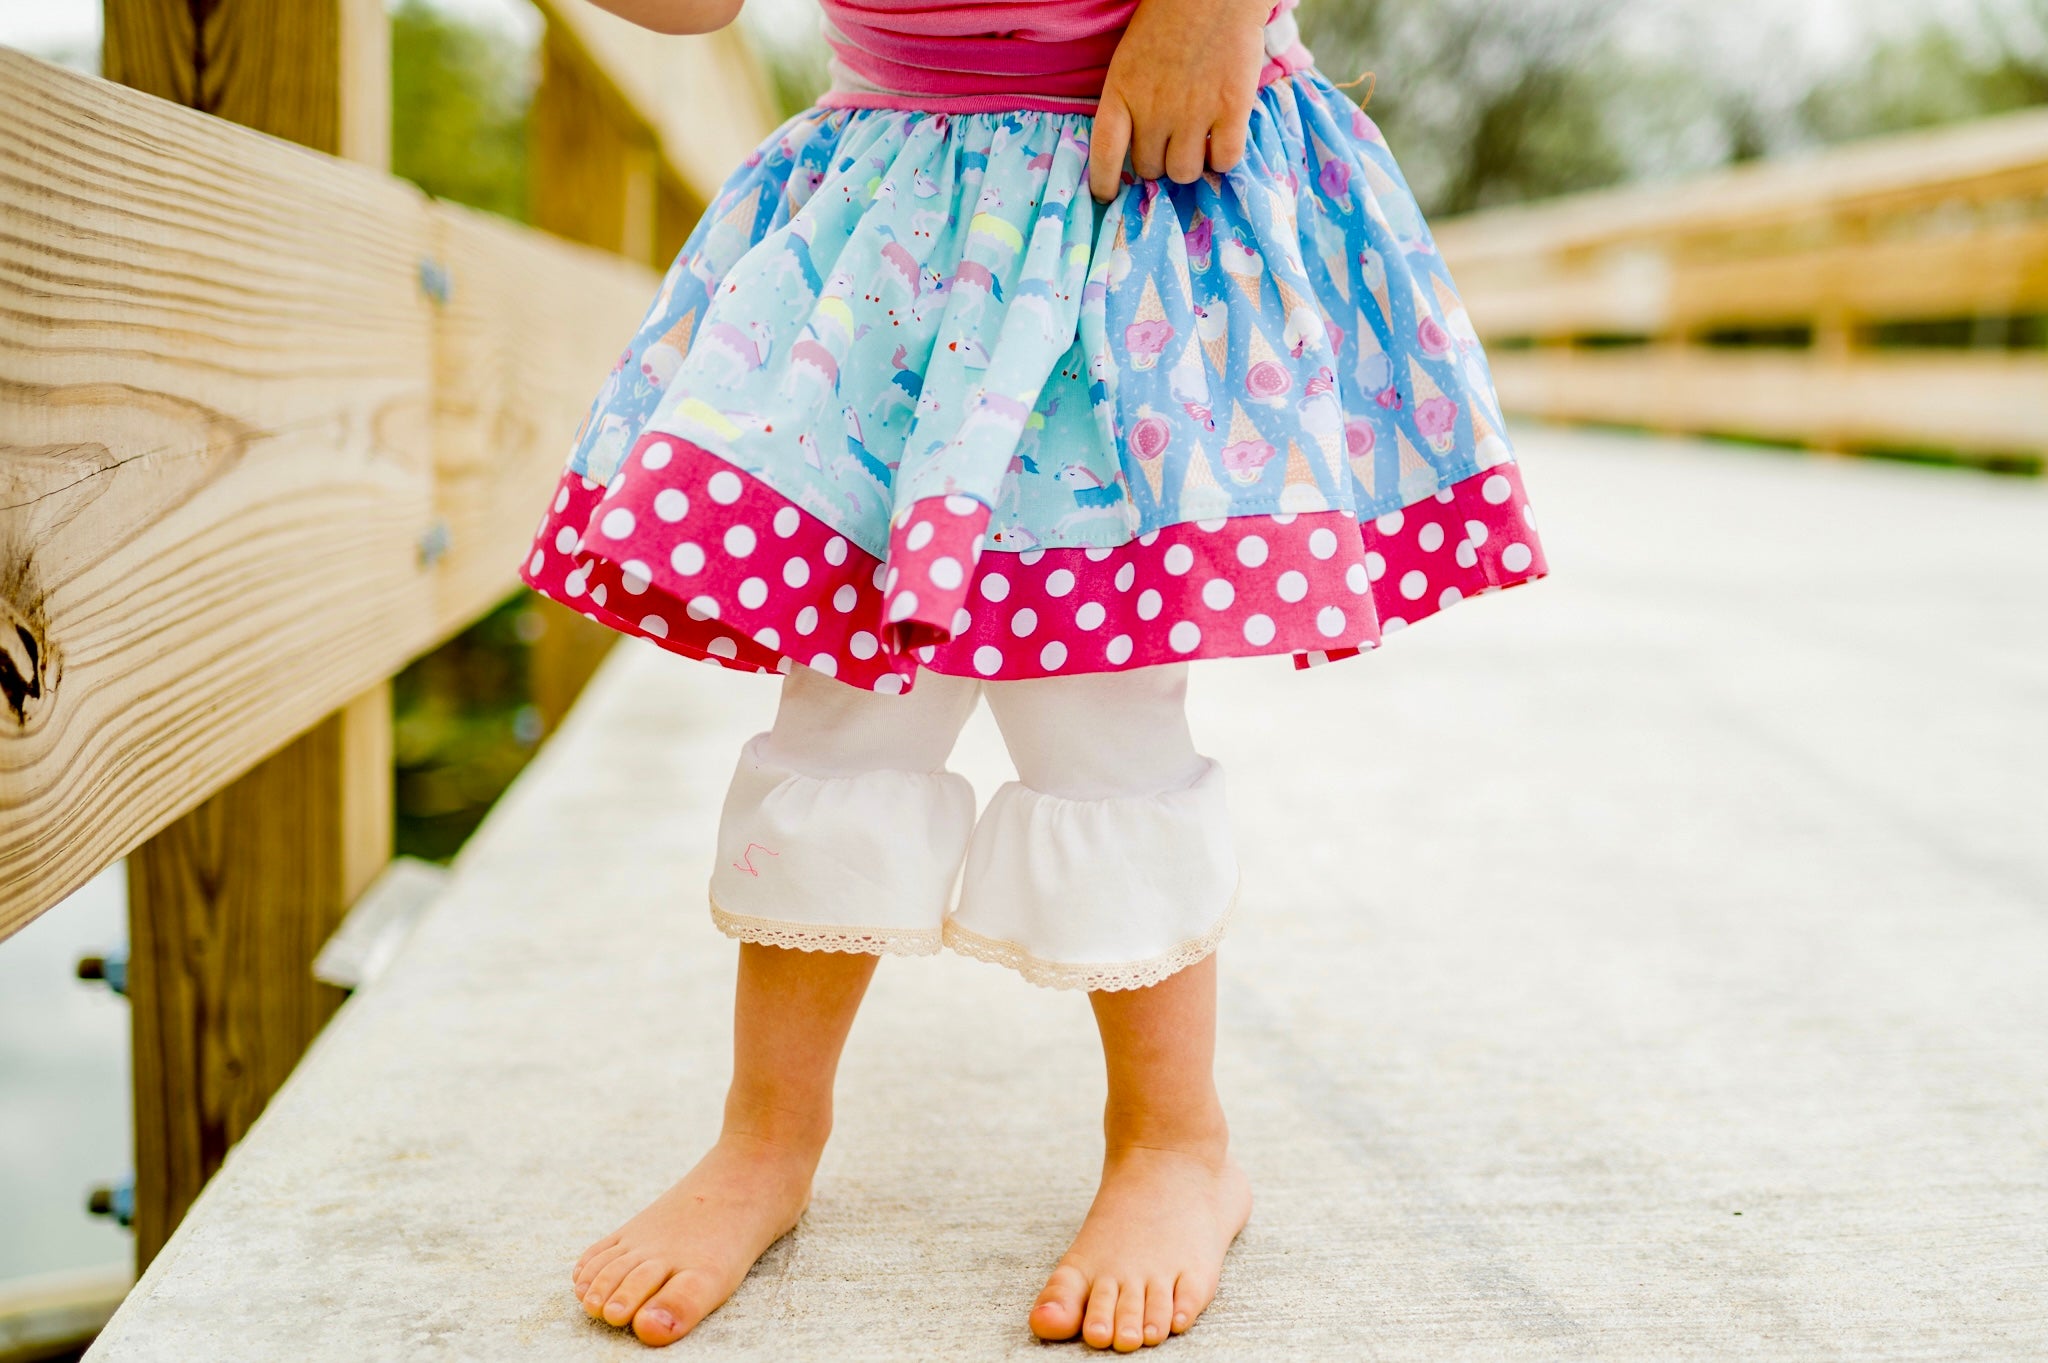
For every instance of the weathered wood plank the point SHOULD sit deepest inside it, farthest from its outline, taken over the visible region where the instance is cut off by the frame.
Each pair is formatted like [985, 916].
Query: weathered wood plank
[315, 72]
[229, 420]
[227, 908]
[1984, 403]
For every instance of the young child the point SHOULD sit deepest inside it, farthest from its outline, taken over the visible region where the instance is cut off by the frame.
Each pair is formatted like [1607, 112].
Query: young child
[1062, 344]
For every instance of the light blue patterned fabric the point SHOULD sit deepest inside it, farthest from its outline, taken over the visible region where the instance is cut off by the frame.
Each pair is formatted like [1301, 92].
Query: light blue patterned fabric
[884, 306]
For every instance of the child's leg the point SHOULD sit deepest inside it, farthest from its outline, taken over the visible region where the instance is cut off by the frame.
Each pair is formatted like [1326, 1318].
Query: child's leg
[1109, 863]
[841, 834]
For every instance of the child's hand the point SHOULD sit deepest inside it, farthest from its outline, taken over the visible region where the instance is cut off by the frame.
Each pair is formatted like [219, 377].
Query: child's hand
[1179, 91]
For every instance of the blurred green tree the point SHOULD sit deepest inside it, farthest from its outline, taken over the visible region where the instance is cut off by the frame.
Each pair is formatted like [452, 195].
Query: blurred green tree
[460, 95]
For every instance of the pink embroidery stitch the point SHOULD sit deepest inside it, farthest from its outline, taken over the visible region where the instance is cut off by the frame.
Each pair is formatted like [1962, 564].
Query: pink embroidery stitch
[746, 861]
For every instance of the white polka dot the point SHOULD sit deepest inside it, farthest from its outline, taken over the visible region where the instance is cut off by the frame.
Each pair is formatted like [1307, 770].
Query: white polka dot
[575, 583]
[1023, 622]
[1059, 583]
[753, 593]
[1322, 542]
[725, 487]
[769, 638]
[597, 594]
[1258, 630]
[739, 541]
[825, 663]
[1355, 578]
[1393, 624]
[671, 505]
[1096, 553]
[1468, 557]
[1149, 604]
[947, 573]
[561, 501]
[1390, 524]
[1283, 518]
[1430, 537]
[835, 550]
[962, 621]
[1375, 564]
[1091, 615]
[1475, 532]
[988, 660]
[687, 559]
[995, 586]
[786, 521]
[1496, 489]
[887, 581]
[1185, 637]
[1149, 538]
[1217, 594]
[1516, 557]
[843, 600]
[654, 625]
[920, 535]
[926, 654]
[1413, 584]
[1030, 557]
[1119, 651]
[618, 480]
[565, 540]
[903, 607]
[1329, 622]
[806, 619]
[617, 523]
[657, 455]
[703, 608]
[1451, 597]
[1053, 656]
[1446, 496]
[635, 576]
[796, 572]
[533, 565]
[1529, 515]
[1251, 551]
[889, 684]
[863, 645]
[1125, 576]
[962, 506]
[1292, 586]
[1212, 525]
[1179, 559]
[724, 647]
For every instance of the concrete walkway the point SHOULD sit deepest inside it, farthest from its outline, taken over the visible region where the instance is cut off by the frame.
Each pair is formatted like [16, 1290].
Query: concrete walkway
[1651, 964]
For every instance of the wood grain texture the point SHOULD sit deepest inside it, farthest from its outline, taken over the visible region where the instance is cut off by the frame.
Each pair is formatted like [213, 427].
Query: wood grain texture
[227, 908]
[230, 417]
[315, 72]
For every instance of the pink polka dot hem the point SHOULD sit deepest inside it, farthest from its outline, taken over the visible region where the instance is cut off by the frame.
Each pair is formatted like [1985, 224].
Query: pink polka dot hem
[712, 563]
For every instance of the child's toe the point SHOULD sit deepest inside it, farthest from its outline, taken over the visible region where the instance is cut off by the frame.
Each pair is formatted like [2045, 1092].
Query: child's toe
[1098, 1327]
[1190, 1297]
[683, 1301]
[1130, 1318]
[634, 1290]
[607, 1281]
[1158, 1309]
[1058, 1312]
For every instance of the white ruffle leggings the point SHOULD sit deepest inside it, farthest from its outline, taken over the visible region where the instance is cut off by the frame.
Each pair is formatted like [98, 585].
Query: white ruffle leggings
[1107, 865]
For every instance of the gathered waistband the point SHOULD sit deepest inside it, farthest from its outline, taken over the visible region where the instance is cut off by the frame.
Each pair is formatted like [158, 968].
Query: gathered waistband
[997, 55]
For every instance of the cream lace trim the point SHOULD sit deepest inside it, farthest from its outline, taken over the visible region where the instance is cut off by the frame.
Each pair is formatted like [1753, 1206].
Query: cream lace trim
[1091, 976]
[770, 932]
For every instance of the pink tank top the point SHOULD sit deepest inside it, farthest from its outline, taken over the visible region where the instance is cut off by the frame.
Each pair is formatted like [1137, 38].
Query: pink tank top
[982, 56]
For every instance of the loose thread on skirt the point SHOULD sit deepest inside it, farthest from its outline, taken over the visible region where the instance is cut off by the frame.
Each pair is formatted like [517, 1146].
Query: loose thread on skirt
[1370, 80]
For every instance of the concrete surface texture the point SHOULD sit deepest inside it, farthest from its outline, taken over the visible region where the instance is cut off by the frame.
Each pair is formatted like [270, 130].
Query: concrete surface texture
[1648, 964]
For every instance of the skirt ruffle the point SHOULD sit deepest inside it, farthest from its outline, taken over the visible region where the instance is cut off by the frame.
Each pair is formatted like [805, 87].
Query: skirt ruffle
[908, 397]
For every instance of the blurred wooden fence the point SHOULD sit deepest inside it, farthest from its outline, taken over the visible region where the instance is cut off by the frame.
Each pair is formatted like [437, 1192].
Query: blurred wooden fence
[1891, 295]
[273, 424]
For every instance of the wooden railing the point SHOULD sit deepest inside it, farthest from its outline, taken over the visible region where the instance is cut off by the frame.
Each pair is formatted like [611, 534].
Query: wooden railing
[271, 425]
[1892, 295]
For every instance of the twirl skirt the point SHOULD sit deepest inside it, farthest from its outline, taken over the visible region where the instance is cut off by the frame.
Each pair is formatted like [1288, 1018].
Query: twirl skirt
[909, 397]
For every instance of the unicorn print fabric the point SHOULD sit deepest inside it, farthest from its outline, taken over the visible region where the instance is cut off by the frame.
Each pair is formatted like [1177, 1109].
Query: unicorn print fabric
[910, 398]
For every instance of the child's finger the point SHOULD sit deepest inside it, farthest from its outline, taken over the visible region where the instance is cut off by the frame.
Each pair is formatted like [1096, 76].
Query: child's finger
[1148, 150]
[1226, 144]
[1186, 154]
[1107, 147]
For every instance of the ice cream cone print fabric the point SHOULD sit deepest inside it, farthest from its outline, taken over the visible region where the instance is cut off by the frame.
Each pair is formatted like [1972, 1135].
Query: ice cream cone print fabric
[1015, 434]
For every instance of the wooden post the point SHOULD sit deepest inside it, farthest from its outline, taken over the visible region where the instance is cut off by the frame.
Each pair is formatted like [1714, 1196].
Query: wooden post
[229, 904]
[226, 909]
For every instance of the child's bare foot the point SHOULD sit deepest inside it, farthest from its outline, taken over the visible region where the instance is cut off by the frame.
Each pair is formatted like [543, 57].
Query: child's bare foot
[1148, 1257]
[680, 1258]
